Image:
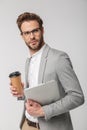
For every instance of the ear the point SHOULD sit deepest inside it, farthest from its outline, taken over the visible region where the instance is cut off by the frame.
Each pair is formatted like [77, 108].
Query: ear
[22, 36]
[42, 30]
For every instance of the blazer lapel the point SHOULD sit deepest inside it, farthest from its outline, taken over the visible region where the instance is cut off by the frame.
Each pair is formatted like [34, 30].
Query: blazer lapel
[26, 72]
[43, 64]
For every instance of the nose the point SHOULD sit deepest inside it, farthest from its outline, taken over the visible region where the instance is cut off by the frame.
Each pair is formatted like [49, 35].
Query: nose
[31, 35]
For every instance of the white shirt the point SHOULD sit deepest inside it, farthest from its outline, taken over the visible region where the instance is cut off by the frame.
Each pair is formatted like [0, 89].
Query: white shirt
[33, 75]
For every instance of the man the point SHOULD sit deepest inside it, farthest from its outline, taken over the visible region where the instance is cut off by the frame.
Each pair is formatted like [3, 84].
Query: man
[43, 65]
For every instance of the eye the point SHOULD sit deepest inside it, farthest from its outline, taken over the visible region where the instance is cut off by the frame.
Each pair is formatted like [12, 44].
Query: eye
[26, 33]
[35, 30]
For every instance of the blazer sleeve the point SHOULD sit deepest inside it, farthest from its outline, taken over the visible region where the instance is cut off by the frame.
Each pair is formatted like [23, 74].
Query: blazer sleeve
[73, 93]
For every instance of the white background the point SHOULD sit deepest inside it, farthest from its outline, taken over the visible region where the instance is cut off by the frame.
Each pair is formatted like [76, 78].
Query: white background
[65, 23]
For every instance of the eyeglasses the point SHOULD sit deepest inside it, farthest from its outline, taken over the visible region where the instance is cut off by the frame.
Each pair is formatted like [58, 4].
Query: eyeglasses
[34, 32]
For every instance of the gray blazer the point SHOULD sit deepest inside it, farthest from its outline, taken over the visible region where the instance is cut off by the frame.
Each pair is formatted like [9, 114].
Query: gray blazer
[56, 65]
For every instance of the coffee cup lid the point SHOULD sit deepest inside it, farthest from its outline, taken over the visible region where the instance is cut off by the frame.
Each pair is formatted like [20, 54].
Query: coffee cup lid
[16, 73]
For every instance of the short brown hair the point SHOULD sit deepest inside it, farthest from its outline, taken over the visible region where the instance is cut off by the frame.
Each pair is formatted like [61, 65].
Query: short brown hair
[26, 16]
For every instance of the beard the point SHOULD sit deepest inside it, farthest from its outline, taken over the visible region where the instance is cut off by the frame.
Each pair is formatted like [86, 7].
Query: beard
[37, 46]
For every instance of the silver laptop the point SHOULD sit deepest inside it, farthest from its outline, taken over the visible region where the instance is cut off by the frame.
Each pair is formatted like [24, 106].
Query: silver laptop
[44, 93]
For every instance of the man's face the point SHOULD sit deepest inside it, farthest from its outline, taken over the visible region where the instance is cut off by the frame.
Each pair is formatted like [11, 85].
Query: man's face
[32, 35]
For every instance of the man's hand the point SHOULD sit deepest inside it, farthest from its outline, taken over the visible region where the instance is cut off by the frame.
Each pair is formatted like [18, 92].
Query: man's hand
[14, 91]
[34, 108]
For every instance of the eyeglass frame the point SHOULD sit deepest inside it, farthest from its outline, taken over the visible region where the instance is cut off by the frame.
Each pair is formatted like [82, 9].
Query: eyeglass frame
[28, 33]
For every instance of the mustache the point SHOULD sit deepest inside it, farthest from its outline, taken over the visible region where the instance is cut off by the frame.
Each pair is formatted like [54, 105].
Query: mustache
[33, 40]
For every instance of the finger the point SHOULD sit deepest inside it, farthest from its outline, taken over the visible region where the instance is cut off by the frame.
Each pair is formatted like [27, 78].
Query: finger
[30, 103]
[14, 93]
[22, 84]
[12, 88]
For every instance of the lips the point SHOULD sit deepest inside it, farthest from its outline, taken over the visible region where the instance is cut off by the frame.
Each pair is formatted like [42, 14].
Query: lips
[33, 42]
